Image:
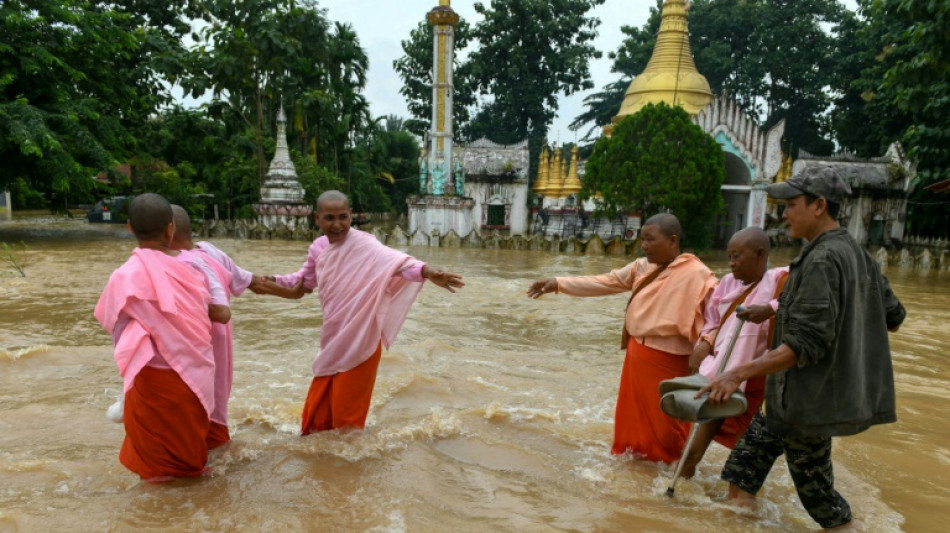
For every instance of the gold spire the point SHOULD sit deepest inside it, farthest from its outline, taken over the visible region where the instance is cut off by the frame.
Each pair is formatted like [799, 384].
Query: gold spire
[557, 176]
[784, 172]
[560, 192]
[671, 74]
[572, 184]
[541, 184]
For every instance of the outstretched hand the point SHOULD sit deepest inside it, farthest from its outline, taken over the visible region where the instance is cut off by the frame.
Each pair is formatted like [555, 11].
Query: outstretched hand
[541, 287]
[267, 285]
[447, 280]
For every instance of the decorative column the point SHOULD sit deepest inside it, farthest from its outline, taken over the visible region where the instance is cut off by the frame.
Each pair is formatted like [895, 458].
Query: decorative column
[443, 20]
[440, 207]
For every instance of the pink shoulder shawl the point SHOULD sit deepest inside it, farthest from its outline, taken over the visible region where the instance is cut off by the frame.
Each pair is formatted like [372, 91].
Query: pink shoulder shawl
[364, 301]
[166, 303]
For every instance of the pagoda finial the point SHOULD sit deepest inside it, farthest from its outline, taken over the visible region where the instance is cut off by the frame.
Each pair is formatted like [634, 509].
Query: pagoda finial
[542, 182]
[572, 184]
[557, 175]
[671, 74]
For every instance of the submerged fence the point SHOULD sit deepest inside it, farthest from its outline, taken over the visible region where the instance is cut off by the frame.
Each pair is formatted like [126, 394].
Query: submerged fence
[916, 253]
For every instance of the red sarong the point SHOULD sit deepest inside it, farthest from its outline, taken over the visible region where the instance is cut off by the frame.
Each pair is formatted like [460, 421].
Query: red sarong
[733, 428]
[217, 435]
[166, 427]
[640, 426]
[341, 400]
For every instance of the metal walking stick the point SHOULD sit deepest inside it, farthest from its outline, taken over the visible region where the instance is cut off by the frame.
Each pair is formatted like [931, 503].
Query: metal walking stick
[695, 427]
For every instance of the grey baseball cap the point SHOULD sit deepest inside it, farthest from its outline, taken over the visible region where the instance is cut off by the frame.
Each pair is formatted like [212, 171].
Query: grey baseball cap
[820, 181]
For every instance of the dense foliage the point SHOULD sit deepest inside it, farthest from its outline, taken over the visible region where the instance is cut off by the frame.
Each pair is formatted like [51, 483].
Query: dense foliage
[77, 78]
[856, 81]
[916, 85]
[89, 87]
[657, 161]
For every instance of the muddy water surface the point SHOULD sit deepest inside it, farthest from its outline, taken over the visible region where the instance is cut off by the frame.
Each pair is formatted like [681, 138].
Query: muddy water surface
[492, 412]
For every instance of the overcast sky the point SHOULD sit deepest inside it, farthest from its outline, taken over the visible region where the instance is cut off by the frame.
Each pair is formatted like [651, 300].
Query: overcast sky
[382, 24]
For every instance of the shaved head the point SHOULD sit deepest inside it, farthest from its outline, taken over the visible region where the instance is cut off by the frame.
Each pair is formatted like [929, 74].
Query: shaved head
[668, 225]
[752, 237]
[331, 197]
[748, 251]
[182, 222]
[149, 215]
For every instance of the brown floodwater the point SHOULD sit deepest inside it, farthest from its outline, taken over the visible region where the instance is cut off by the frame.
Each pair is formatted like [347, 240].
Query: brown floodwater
[492, 412]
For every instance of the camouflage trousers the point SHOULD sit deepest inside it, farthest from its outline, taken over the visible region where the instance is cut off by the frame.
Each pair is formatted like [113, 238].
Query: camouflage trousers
[809, 463]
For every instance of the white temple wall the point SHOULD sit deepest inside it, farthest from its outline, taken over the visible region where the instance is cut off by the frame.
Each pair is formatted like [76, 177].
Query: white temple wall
[856, 222]
[428, 218]
[514, 196]
[897, 220]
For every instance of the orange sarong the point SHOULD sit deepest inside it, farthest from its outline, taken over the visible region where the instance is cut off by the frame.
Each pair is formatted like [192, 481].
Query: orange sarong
[733, 428]
[166, 427]
[640, 426]
[341, 400]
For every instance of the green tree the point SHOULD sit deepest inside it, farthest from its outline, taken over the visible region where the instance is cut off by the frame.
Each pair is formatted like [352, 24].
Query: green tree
[396, 154]
[251, 51]
[349, 110]
[602, 107]
[531, 51]
[866, 119]
[415, 70]
[259, 54]
[314, 178]
[656, 161]
[918, 84]
[77, 77]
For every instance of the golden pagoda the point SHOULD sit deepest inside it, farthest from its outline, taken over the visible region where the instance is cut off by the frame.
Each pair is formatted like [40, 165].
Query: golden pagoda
[543, 181]
[671, 74]
[572, 184]
[784, 172]
[560, 192]
[556, 176]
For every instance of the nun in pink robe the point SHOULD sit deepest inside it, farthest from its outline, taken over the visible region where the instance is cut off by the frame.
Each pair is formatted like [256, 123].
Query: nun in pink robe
[366, 290]
[751, 343]
[156, 308]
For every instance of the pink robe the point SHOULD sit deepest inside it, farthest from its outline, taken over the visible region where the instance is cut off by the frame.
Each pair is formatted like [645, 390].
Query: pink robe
[240, 279]
[237, 280]
[200, 262]
[155, 305]
[752, 340]
[365, 290]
